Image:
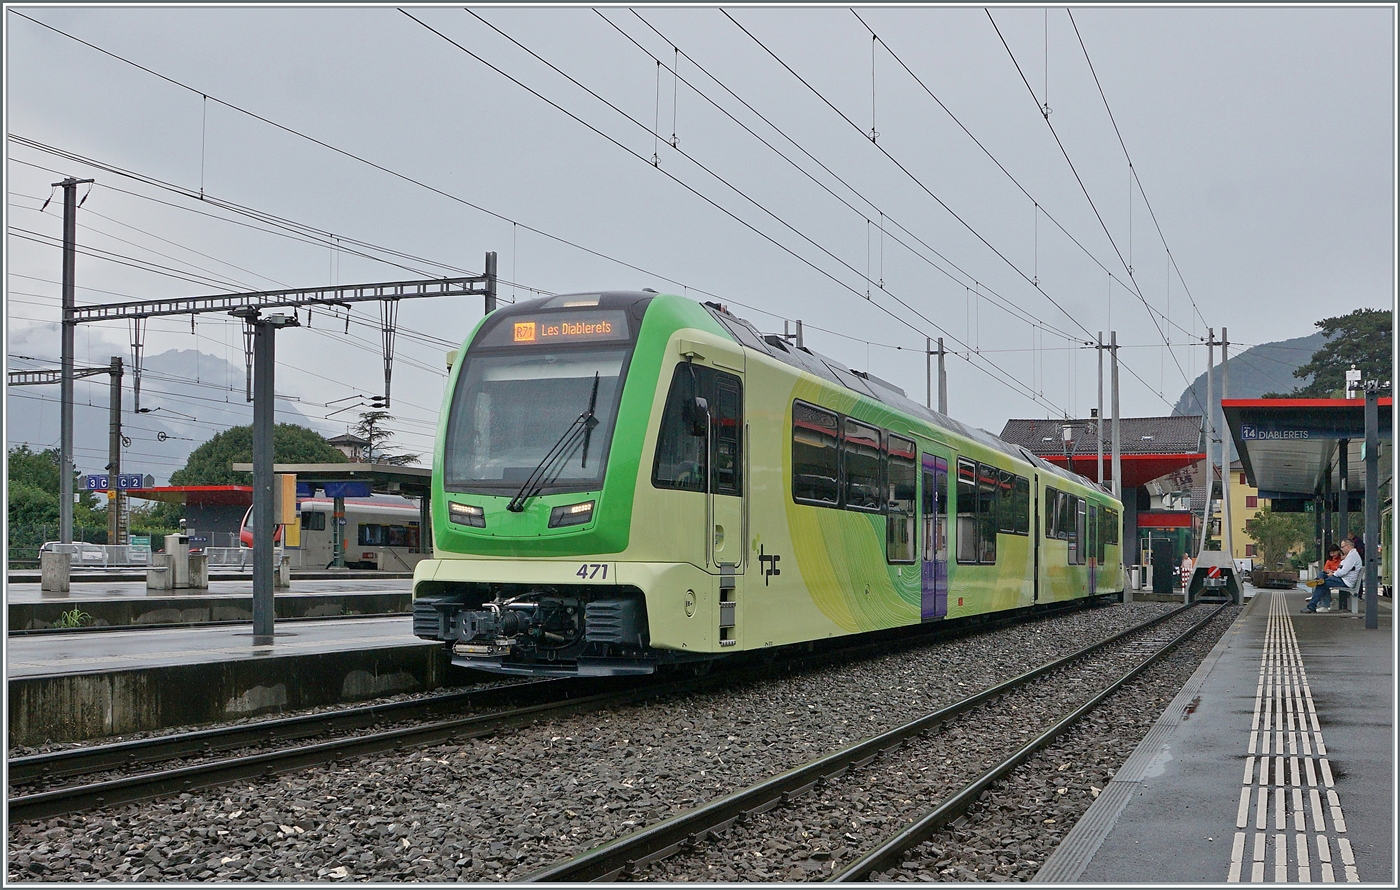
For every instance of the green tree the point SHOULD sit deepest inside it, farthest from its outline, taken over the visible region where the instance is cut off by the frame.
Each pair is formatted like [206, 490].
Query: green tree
[373, 427]
[32, 503]
[33, 476]
[1276, 535]
[1362, 338]
[210, 463]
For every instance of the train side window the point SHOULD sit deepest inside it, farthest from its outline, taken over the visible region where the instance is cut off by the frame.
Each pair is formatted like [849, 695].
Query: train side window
[1074, 529]
[988, 489]
[313, 521]
[1006, 489]
[1051, 508]
[1066, 520]
[860, 459]
[727, 425]
[680, 461]
[1013, 504]
[1110, 526]
[680, 457]
[1021, 506]
[900, 536]
[967, 511]
[816, 474]
[371, 534]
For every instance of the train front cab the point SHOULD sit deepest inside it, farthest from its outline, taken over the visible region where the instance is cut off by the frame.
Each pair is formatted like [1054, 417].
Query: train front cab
[545, 517]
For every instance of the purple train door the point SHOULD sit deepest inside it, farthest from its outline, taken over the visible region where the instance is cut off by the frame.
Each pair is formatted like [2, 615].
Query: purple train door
[935, 528]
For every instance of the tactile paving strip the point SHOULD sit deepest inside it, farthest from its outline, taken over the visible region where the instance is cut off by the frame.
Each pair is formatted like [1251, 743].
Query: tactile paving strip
[1290, 819]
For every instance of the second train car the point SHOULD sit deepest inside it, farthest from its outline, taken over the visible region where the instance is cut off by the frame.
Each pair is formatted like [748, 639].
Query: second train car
[628, 480]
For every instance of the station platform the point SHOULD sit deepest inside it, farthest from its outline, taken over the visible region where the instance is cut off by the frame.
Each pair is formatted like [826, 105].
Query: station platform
[115, 602]
[1274, 764]
[69, 687]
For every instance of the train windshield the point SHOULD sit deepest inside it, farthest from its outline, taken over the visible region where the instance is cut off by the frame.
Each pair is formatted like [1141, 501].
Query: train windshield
[511, 408]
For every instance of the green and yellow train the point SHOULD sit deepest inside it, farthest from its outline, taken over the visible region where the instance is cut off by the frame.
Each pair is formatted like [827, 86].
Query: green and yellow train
[629, 480]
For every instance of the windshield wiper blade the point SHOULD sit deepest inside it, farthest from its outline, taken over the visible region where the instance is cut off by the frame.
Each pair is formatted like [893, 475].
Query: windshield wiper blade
[557, 457]
[589, 421]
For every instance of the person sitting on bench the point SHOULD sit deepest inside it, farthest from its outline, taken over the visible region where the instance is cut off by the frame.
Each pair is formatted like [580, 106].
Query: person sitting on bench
[1343, 577]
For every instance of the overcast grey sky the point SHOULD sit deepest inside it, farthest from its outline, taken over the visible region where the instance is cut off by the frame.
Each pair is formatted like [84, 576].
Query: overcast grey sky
[1263, 139]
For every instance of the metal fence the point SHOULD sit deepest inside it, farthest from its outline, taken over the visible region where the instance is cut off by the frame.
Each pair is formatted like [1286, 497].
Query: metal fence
[102, 556]
[241, 558]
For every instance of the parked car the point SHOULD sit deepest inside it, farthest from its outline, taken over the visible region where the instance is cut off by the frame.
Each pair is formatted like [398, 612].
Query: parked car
[83, 554]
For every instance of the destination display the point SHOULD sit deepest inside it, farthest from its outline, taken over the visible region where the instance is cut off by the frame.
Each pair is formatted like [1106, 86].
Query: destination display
[560, 328]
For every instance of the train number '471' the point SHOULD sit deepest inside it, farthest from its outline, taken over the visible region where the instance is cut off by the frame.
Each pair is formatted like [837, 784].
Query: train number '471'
[593, 571]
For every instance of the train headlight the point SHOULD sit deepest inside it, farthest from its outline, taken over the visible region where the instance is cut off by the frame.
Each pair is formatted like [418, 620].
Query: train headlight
[467, 514]
[573, 514]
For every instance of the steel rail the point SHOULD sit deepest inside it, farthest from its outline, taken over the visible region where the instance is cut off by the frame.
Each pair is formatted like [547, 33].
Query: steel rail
[128, 789]
[658, 841]
[891, 852]
[156, 749]
[99, 758]
[142, 752]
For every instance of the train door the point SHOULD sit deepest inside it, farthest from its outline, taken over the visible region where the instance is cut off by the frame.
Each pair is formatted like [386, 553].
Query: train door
[1091, 547]
[934, 515]
[1035, 537]
[708, 392]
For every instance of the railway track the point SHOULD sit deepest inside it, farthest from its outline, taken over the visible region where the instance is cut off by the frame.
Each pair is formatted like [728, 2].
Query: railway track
[118, 773]
[676, 848]
[522, 702]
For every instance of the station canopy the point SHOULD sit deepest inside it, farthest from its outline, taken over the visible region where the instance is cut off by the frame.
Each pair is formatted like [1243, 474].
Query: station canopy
[197, 495]
[383, 478]
[1149, 447]
[1289, 447]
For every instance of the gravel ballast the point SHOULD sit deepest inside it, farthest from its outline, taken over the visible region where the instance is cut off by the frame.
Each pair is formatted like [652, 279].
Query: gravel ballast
[499, 808]
[1010, 832]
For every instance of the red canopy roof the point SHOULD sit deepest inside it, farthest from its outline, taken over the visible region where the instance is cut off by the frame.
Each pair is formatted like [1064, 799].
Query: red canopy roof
[1138, 469]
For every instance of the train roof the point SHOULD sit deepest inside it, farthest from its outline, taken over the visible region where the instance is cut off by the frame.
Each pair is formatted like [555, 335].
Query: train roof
[875, 388]
[814, 363]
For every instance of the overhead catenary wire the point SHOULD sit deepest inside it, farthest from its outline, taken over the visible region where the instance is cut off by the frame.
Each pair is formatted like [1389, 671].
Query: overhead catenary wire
[935, 197]
[362, 160]
[351, 155]
[1132, 167]
[205, 98]
[908, 173]
[1002, 377]
[294, 230]
[1005, 304]
[1035, 279]
[1152, 314]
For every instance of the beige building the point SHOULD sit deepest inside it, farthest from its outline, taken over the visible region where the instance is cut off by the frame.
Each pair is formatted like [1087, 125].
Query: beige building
[1245, 504]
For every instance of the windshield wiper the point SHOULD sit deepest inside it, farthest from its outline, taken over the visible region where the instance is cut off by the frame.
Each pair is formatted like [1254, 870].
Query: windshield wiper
[557, 458]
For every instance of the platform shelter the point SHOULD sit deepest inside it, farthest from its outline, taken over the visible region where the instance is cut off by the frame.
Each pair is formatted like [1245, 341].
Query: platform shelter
[1308, 455]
